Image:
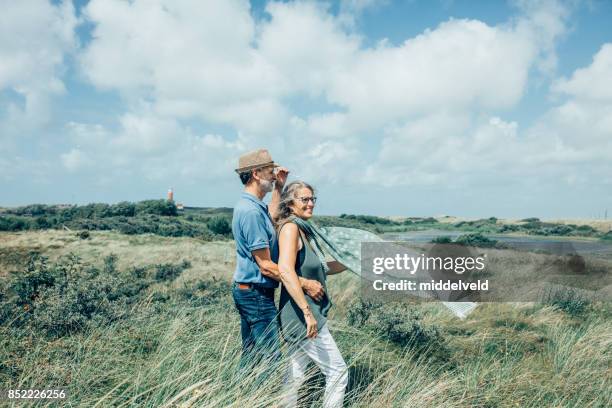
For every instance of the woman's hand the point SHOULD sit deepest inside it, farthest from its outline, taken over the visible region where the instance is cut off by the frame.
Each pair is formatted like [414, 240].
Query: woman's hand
[311, 323]
[312, 288]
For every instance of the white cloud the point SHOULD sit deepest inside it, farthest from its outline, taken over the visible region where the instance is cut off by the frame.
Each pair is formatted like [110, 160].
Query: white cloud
[190, 65]
[75, 159]
[186, 58]
[571, 142]
[152, 148]
[593, 83]
[35, 37]
[459, 65]
[418, 98]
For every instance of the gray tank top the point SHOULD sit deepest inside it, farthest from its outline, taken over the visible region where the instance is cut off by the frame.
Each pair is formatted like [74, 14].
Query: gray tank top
[291, 318]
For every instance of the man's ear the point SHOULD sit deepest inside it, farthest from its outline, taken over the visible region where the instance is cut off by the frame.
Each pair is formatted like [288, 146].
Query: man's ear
[254, 175]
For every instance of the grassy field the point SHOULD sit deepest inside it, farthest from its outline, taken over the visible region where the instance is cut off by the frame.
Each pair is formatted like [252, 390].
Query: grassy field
[146, 320]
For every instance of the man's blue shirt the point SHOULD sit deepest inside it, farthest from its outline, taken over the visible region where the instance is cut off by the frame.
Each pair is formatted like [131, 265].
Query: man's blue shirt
[253, 229]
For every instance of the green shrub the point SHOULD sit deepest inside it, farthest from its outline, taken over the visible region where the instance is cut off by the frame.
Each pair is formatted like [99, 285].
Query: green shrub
[442, 240]
[509, 228]
[476, 240]
[68, 296]
[83, 234]
[219, 225]
[166, 272]
[13, 223]
[607, 236]
[206, 292]
[27, 284]
[66, 309]
[560, 230]
[405, 329]
[33, 210]
[157, 207]
[400, 325]
[360, 311]
[124, 208]
[567, 300]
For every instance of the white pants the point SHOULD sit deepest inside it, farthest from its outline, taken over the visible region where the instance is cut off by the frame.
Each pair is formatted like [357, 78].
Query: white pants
[322, 351]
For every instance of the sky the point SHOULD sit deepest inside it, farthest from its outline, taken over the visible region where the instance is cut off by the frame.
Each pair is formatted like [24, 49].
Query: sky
[405, 108]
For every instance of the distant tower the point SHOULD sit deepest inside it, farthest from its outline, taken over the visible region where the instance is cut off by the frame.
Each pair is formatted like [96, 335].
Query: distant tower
[170, 195]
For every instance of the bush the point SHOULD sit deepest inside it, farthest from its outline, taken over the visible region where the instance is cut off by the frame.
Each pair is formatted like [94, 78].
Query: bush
[442, 240]
[476, 240]
[68, 296]
[157, 207]
[28, 284]
[69, 308]
[166, 272]
[509, 228]
[567, 300]
[206, 292]
[406, 330]
[360, 311]
[219, 225]
[560, 230]
[399, 325]
[13, 223]
[124, 208]
[33, 210]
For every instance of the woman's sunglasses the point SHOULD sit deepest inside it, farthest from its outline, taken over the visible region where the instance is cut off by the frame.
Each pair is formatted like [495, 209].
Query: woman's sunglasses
[305, 200]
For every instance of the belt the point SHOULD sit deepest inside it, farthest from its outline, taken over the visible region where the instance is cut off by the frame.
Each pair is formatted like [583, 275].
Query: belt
[246, 286]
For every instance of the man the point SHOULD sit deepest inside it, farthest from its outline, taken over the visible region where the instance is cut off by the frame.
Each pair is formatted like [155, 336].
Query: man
[257, 274]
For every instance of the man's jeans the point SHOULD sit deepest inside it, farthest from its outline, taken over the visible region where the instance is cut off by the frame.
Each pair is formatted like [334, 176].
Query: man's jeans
[258, 325]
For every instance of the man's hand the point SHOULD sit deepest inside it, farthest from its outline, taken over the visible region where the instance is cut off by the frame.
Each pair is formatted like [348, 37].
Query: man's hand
[312, 288]
[281, 177]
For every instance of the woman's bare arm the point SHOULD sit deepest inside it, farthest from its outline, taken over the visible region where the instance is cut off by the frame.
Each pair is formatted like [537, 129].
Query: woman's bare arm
[287, 247]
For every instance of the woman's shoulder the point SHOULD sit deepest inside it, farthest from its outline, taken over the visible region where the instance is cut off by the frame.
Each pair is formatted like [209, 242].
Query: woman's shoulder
[290, 230]
[289, 226]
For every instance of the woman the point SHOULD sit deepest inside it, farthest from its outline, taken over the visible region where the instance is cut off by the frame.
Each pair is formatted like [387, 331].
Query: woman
[300, 256]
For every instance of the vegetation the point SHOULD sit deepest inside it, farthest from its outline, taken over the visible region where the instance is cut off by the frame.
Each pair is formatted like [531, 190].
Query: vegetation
[567, 300]
[161, 217]
[145, 320]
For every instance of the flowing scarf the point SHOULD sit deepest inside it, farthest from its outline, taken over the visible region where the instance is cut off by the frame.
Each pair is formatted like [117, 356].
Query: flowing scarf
[344, 245]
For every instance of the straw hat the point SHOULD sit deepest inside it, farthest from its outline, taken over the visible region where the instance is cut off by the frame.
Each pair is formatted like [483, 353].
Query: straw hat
[254, 160]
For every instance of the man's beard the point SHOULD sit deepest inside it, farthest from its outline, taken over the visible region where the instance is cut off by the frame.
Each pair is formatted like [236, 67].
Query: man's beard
[266, 185]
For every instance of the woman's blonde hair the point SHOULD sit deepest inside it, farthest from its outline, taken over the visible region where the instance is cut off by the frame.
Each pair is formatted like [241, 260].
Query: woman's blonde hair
[287, 198]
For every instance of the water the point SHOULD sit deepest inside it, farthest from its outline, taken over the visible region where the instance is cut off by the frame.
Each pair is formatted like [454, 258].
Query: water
[557, 245]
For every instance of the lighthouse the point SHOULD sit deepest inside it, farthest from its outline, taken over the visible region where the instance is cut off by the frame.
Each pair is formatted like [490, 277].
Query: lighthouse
[170, 195]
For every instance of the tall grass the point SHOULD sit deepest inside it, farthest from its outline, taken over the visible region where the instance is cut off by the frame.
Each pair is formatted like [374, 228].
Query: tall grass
[177, 344]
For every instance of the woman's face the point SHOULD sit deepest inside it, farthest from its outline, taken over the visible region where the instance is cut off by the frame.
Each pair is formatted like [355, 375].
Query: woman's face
[303, 203]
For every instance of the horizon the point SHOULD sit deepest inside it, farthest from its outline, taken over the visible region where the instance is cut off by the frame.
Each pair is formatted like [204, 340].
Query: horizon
[603, 218]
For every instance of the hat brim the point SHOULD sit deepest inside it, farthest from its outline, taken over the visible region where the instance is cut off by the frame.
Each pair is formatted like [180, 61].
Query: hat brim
[256, 166]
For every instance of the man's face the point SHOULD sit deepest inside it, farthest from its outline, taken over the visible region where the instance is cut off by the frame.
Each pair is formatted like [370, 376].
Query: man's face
[267, 177]
[267, 173]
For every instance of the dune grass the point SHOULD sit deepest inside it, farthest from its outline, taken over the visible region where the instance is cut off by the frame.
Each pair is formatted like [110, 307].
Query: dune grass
[177, 344]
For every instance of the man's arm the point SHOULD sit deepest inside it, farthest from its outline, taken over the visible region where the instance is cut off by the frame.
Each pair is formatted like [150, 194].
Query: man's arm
[281, 178]
[266, 266]
[311, 287]
[274, 201]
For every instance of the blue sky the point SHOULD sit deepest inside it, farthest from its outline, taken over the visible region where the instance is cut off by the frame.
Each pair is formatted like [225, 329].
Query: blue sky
[466, 108]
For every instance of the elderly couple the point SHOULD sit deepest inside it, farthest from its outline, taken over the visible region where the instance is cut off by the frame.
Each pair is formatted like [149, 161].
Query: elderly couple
[274, 243]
